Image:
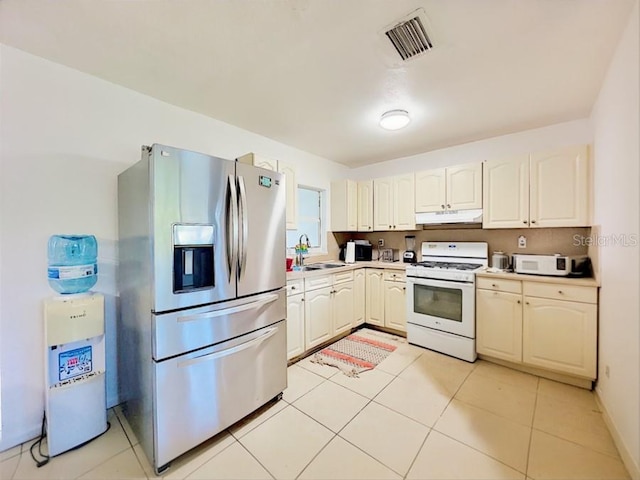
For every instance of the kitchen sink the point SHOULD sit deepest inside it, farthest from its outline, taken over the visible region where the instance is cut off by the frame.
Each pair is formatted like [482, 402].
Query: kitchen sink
[321, 266]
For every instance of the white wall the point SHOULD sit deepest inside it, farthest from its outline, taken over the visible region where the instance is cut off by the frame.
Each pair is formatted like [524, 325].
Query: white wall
[64, 138]
[616, 121]
[569, 133]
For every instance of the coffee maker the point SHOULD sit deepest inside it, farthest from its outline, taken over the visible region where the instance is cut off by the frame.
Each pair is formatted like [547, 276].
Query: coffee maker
[409, 255]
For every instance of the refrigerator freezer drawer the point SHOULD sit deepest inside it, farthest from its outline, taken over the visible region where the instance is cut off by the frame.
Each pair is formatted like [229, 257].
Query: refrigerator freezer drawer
[200, 394]
[187, 330]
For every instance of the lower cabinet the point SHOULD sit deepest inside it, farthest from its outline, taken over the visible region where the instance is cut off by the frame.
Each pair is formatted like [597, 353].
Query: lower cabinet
[385, 298]
[295, 318]
[295, 325]
[395, 304]
[499, 324]
[317, 313]
[545, 325]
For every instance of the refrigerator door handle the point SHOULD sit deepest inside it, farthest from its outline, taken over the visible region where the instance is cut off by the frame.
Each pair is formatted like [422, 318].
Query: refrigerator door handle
[232, 225]
[245, 226]
[229, 351]
[229, 311]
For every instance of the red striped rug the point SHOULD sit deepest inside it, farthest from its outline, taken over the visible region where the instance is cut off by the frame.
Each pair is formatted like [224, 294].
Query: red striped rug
[355, 353]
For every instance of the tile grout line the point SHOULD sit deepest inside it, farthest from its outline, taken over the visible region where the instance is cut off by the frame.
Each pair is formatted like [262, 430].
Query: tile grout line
[418, 453]
[533, 419]
[242, 445]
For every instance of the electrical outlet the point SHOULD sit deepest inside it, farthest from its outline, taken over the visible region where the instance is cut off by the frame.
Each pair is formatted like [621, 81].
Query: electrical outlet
[606, 370]
[381, 242]
[522, 241]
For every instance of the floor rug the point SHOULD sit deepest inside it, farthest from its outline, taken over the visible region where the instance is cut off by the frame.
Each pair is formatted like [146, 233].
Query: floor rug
[358, 352]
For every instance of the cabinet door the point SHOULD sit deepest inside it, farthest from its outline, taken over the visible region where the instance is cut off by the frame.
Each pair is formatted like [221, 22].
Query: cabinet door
[430, 191]
[365, 206]
[342, 305]
[291, 195]
[344, 206]
[358, 297]
[560, 188]
[383, 204]
[560, 336]
[404, 210]
[317, 316]
[375, 297]
[295, 325]
[395, 310]
[464, 186]
[499, 324]
[505, 193]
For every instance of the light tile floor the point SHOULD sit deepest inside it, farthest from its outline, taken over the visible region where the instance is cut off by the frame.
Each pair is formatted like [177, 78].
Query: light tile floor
[418, 415]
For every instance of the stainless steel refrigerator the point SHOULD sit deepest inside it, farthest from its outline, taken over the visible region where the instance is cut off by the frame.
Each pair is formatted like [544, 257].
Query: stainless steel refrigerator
[202, 335]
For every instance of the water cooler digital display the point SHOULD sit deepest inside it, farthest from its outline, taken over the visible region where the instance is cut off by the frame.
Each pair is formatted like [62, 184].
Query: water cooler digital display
[75, 370]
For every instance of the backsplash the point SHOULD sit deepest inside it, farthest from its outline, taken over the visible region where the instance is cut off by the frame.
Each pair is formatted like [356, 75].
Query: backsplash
[566, 241]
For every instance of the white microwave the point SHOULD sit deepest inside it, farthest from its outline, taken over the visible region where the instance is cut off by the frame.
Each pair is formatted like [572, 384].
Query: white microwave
[556, 265]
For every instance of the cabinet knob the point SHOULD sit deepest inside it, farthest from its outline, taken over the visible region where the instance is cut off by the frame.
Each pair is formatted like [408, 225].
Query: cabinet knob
[518, 302]
[448, 205]
[533, 221]
[493, 285]
[525, 222]
[526, 303]
[302, 299]
[293, 287]
[389, 226]
[404, 288]
[560, 292]
[442, 206]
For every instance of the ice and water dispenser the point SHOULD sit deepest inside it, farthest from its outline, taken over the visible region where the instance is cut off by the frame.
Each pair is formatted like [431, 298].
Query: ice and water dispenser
[75, 370]
[193, 265]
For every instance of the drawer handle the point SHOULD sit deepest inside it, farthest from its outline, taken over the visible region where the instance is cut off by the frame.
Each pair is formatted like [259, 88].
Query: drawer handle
[494, 285]
[229, 351]
[527, 303]
[560, 292]
[229, 311]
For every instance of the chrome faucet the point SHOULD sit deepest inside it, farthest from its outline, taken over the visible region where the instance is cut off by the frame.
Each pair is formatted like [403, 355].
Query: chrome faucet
[300, 257]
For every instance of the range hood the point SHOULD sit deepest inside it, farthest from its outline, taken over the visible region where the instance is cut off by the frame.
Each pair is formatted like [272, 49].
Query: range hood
[450, 216]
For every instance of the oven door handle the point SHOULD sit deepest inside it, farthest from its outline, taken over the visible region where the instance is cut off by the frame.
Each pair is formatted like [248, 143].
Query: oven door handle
[430, 282]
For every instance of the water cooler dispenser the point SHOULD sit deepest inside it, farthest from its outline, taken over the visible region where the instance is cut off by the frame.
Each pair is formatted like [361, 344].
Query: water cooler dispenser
[75, 403]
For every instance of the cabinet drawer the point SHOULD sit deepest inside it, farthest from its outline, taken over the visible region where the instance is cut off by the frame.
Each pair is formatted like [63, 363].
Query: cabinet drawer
[394, 276]
[559, 291]
[343, 277]
[313, 283]
[295, 286]
[512, 286]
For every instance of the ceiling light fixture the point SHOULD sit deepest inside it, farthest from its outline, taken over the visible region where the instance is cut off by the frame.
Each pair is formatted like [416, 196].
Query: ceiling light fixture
[394, 119]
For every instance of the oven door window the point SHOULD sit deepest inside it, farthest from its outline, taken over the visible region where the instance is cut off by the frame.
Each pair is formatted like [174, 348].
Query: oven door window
[438, 302]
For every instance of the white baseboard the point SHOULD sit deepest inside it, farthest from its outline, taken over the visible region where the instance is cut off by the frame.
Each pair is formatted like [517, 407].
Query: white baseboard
[632, 467]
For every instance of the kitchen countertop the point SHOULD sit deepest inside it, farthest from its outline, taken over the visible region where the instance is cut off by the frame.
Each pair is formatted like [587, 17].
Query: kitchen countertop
[583, 282]
[345, 268]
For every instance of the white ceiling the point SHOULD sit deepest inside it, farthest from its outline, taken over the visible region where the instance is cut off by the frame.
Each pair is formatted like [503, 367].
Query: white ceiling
[317, 74]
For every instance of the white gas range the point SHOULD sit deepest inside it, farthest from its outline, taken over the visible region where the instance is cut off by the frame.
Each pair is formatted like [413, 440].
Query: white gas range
[441, 297]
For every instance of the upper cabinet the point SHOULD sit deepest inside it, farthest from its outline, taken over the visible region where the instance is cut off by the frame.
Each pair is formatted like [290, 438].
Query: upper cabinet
[452, 188]
[540, 190]
[393, 199]
[291, 185]
[365, 206]
[344, 206]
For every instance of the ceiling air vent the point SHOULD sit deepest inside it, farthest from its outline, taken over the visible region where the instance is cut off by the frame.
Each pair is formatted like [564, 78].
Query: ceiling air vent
[409, 37]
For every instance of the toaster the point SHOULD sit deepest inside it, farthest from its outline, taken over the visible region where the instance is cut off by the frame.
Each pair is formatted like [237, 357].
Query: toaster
[389, 255]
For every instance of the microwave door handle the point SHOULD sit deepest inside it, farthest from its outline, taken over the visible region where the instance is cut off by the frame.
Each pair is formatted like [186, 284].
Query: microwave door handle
[242, 263]
[232, 225]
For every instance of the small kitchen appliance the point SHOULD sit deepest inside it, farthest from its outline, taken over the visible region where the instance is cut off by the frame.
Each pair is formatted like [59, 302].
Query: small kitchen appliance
[350, 253]
[499, 260]
[389, 255]
[363, 251]
[554, 265]
[441, 297]
[409, 255]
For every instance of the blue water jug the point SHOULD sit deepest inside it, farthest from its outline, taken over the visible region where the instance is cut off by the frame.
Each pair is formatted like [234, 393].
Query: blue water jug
[73, 266]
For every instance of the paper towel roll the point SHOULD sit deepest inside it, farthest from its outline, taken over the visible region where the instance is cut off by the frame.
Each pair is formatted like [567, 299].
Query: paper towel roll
[350, 254]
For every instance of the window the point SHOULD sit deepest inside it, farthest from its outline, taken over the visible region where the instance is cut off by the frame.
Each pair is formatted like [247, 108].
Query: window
[310, 220]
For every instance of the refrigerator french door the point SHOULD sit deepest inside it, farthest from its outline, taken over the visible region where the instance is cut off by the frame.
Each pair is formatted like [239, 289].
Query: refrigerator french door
[201, 276]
